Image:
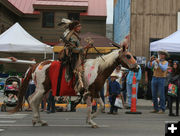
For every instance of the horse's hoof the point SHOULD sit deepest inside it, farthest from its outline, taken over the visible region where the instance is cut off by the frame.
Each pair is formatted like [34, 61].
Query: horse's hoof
[93, 116]
[44, 124]
[95, 126]
[33, 123]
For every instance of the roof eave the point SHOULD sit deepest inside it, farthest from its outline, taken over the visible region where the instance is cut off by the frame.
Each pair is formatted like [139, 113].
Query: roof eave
[35, 14]
[11, 7]
[60, 7]
[90, 17]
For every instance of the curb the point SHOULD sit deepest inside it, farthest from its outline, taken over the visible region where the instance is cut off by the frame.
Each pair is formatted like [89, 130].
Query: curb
[64, 105]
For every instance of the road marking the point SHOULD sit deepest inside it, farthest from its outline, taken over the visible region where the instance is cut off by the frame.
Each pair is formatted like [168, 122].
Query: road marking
[29, 125]
[8, 121]
[1, 130]
[102, 126]
[13, 116]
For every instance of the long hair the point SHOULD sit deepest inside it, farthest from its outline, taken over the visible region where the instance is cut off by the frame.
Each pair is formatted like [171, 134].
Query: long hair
[176, 71]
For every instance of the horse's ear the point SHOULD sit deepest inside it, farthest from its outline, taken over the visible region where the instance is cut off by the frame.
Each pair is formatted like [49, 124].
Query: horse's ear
[124, 48]
[120, 50]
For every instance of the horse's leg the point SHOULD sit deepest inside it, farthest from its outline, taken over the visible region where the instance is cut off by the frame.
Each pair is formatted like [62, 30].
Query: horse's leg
[35, 103]
[101, 103]
[41, 79]
[89, 110]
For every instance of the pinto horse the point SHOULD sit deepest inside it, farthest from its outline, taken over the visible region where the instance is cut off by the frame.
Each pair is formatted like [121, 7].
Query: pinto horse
[96, 71]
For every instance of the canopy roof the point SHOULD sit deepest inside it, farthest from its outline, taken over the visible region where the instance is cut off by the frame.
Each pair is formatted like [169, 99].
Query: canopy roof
[170, 43]
[99, 41]
[16, 39]
[102, 44]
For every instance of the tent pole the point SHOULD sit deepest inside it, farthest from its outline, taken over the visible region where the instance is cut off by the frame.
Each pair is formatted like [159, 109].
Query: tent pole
[53, 56]
[44, 55]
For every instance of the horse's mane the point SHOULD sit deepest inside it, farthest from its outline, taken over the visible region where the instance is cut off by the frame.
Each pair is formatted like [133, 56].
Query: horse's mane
[109, 59]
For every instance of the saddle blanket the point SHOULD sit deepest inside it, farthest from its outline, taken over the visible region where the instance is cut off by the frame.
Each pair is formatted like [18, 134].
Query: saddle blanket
[65, 88]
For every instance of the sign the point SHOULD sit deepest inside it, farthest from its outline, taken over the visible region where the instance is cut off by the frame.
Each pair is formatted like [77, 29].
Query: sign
[141, 60]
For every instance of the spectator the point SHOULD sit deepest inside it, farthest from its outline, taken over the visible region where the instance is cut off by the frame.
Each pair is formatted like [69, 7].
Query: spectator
[44, 102]
[51, 103]
[103, 99]
[169, 71]
[174, 78]
[129, 84]
[114, 91]
[30, 90]
[14, 87]
[11, 58]
[94, 104]
[148, 79]
[123, 84]
[159, 66]
[118, 72]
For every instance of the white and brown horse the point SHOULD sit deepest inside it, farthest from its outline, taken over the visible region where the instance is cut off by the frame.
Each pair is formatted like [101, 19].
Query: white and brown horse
[96, 71]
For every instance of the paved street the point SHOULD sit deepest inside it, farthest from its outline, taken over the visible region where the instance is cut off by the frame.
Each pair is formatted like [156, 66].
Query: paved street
[73, 123]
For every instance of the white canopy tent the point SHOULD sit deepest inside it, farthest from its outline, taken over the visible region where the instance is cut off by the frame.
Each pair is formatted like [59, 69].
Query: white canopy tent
[16, 39]
[170, 43]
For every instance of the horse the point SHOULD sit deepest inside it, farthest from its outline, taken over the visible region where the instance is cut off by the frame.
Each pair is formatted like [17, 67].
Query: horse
[96, 71]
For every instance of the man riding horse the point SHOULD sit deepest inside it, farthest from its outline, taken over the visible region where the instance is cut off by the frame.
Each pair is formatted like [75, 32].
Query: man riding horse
[73, 54]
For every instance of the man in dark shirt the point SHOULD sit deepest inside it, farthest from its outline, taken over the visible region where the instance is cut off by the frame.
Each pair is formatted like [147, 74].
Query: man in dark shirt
[148, 78]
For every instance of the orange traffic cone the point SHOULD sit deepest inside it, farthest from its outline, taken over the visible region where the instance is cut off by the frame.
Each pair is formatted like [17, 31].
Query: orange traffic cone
[133, 98]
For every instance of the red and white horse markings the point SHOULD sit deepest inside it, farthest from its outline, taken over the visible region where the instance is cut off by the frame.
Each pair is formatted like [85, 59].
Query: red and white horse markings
[96, 71]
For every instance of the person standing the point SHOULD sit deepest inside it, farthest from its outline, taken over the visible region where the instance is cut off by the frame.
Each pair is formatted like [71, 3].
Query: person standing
[129, 84]
[174, 78]
[114, 91]
[169, 73]
[148, 79]
[51, 103]
[159, 66]
[94, 103]
[119, 73]
[123, 84]
[31, 89]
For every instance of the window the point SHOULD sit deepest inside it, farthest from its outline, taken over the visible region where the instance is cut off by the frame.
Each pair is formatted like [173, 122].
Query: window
[73, 16]
[48, 19]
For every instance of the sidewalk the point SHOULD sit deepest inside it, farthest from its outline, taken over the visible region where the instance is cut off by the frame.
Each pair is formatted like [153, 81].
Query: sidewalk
[141, 103]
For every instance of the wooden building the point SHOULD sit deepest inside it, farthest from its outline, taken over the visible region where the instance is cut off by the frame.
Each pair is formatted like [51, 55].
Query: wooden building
[151, 20]
[41, 17]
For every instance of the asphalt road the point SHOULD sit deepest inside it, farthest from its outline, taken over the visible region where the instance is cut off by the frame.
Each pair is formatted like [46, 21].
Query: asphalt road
[73, 124]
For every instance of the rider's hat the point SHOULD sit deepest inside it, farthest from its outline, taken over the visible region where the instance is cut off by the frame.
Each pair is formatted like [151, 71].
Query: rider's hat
[70, 24]
[164, 52]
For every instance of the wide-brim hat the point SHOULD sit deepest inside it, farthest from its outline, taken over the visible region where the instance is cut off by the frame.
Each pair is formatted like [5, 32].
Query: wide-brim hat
[164, 52]
[114, 75]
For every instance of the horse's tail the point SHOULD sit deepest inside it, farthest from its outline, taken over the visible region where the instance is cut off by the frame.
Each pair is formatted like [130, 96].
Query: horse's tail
[22, 90]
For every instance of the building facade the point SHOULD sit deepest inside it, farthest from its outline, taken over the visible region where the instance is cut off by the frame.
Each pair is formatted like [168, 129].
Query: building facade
[121, 19]
[40, 18]
[151, 20]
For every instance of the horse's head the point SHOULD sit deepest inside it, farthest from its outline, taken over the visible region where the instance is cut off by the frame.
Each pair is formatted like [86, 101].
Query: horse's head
[127, 60]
